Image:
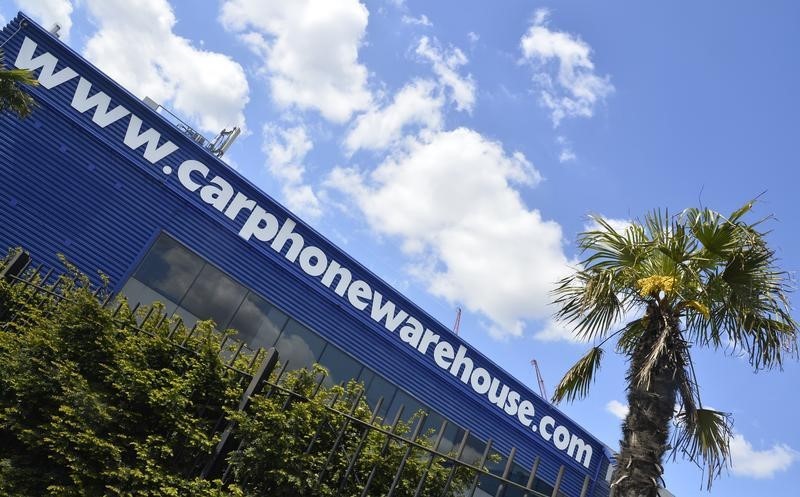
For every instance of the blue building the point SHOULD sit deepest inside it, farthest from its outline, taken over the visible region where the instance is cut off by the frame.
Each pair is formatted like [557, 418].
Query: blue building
[101, 177]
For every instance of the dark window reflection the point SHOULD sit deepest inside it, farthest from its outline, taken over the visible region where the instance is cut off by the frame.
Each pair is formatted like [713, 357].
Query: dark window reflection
[192, 289]
[366, 377]
[169, 268]
[433, 423]
[341, 367]
[542, 487]
[411, 407]
[380, 388]
[518, 475]
[214, 296]
[451, 440]
[187, 317]
[258, 322]
[298, 346]
[473, 451]
[496, 464]
[138, 293]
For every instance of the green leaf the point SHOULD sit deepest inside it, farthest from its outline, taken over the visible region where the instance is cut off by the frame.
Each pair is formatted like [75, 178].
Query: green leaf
[576, 383]
[703, 435]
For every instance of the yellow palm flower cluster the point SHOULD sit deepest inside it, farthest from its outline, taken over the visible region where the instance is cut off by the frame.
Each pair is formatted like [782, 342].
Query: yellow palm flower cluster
[653, 285]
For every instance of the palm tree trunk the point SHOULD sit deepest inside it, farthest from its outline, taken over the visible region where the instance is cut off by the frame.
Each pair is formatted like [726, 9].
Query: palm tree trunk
[646, 426]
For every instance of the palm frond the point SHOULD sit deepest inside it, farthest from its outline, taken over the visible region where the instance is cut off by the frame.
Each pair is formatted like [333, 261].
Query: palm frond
[12, 95]
[578, 379]
[631, 334]
[592, 301]
[704, 437]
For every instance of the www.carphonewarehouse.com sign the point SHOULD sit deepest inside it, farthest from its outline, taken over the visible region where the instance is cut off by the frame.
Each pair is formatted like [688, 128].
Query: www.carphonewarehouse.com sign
[263, 227]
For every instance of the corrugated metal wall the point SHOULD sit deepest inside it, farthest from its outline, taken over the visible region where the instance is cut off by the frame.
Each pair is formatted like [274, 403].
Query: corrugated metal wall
[68, 186]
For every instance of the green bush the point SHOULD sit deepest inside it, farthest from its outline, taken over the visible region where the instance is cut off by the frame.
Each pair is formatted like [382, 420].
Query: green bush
[92, 403]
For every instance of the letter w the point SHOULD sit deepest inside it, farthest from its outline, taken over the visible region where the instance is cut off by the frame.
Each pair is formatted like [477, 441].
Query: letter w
[152, 152]
[100, 101]
[46, 62]
[386, 310]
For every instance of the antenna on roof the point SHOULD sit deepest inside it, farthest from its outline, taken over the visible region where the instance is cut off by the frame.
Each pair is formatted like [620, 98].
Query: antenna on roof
[224, 140]
[539, 379]
[218, 147]
[55, 29]
[457, 324]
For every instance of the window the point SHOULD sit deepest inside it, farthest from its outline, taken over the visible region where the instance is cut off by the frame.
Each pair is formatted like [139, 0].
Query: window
[193, 289]
[496, 464]
[298, 347]
[169, 269]
[213, 296]
[258, 322]
[410, 405]
[453, 435]
[141, 294]
[380, 388]
[341, 367]
[473, 451]
[433, 423]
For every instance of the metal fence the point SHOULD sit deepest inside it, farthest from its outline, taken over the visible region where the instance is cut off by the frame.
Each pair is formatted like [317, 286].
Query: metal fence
[257, 370]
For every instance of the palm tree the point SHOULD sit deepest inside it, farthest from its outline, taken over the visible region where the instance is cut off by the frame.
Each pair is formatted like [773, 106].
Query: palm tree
[698, 279]
[12, 96]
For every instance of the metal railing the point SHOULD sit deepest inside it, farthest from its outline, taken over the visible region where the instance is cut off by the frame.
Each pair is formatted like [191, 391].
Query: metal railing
[260, 375]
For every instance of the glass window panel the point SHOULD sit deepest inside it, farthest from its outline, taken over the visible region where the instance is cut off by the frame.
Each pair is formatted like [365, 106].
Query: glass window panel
[299, 346]
[481, 492]
[366, 377]
[473, 451]
[496, 464]
[411, 407]
[378, 388]
[341, 367]
[138, 293]
[214, 296]
[542, 487]
[258, 322]
[433, 423]
[518, 475]
[187, 317]
[453, 435]
[169, 268]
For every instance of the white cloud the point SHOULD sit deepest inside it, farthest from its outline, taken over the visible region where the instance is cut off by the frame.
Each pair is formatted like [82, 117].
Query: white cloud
[619, 225]
[310, 50]
[617, 408]
[573, 89]
[418, 103]
[417, 21]
[451, 199]
[286, 149]
[752, 463]
[554, 331]
[49, 12]
[567, 155]
[445, 65]
[3, 21]
[473, 37]
[136, 46]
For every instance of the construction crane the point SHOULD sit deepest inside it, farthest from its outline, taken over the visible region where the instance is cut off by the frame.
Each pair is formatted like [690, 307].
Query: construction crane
[539, 379]
[457, 324]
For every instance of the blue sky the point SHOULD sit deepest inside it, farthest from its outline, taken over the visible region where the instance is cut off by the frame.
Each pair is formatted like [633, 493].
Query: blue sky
[457, 147]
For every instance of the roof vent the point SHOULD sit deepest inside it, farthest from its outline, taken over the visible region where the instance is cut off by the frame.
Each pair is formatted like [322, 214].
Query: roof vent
[55, 29]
